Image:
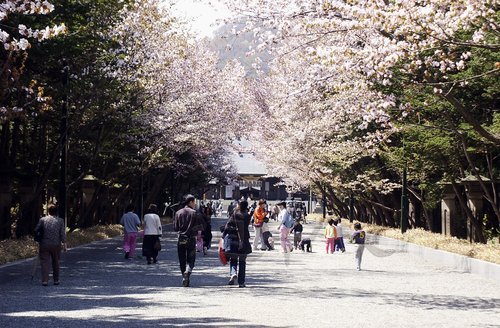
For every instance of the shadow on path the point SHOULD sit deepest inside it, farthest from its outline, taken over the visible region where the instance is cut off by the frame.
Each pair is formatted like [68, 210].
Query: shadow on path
[98, 286]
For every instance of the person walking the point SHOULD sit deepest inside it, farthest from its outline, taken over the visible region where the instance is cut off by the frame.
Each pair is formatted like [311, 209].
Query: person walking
[220, 209]
[339, 242]
[275, 212]
[266, 234]
[207, 233]
[230, 209]
[54, 238]
[330, 235]
[297, 233]
[130, 222]
[358, 237]
[151, 244]
[187, 223]
[237, 244]
[258, 220]
[200, 238]
[286, 223]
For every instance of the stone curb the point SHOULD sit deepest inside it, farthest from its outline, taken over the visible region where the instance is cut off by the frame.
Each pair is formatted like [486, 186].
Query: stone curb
[462, 263]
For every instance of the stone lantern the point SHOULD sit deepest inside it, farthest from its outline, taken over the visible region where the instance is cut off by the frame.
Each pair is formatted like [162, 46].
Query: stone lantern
[89, 184]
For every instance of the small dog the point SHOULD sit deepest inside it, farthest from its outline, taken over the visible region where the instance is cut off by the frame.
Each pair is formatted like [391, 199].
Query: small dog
[305, 244]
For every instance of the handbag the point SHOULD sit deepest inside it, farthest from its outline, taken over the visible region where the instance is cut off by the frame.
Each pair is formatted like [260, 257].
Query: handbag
[230, 243]
[222, 253]
[157, 245]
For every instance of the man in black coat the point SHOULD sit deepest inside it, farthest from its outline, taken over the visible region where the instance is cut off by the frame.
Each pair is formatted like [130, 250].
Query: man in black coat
[187, 223]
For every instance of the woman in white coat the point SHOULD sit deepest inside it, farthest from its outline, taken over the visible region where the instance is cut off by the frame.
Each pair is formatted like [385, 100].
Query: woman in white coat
[152, 234]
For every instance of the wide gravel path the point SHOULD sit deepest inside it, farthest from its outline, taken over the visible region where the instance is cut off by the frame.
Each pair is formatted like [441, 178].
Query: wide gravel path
[99, 288]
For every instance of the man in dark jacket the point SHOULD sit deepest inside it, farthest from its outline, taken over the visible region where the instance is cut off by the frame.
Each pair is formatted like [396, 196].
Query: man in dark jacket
[187, 223]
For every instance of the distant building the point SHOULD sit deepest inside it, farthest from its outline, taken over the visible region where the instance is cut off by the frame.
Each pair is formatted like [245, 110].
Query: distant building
[251, 181]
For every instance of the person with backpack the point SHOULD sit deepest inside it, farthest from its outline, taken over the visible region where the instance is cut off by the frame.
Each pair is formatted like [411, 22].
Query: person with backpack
[358, 237]
[53, 239]
[286, 224]
[236, 243]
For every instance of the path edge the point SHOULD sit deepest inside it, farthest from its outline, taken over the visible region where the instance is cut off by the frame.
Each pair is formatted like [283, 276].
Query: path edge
[459, 262]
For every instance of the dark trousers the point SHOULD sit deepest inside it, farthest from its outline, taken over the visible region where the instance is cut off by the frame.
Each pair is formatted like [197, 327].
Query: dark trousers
[265, 237]
[238, 265]
[48, 253]
[297, 237]
[186, 249]
[207, 236]
[148, 247]
[339, 244]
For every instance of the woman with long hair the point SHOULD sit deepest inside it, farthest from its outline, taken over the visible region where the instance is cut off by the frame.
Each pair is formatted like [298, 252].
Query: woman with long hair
[237, 243]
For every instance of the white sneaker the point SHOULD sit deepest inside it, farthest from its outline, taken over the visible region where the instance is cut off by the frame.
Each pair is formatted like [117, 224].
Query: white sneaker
[232, 280]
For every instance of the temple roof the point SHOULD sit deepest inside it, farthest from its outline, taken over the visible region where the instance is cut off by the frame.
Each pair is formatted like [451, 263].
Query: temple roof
[247, 164]
[245, 161]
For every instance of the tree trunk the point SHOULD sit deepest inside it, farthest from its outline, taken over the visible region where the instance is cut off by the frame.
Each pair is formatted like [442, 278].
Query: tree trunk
[159, 183]
[478, 228]
[491, 199]
[5, 183]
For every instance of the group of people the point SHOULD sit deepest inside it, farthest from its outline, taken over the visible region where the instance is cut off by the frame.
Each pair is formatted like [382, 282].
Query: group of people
[191, 225]
[152, 232]
[334, 235]
[193, 228]
[235, 234]
[263, 238]
[335, 239]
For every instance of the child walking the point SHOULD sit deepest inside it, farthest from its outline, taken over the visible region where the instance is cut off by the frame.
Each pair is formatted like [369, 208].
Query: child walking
[330, 235]
[297, 233]
[358, 237]
[266, 234]
[339, 242]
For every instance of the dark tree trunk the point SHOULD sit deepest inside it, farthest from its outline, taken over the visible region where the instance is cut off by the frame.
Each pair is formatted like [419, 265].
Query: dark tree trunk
[478, 227]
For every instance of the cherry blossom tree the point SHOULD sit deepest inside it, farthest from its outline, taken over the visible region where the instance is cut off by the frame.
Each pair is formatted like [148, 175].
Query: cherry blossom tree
[424, 41]
[14, 43]
[359, 57]
[189, 103]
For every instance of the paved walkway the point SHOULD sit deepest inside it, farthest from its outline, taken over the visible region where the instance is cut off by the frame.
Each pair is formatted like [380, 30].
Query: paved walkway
[101, 289]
